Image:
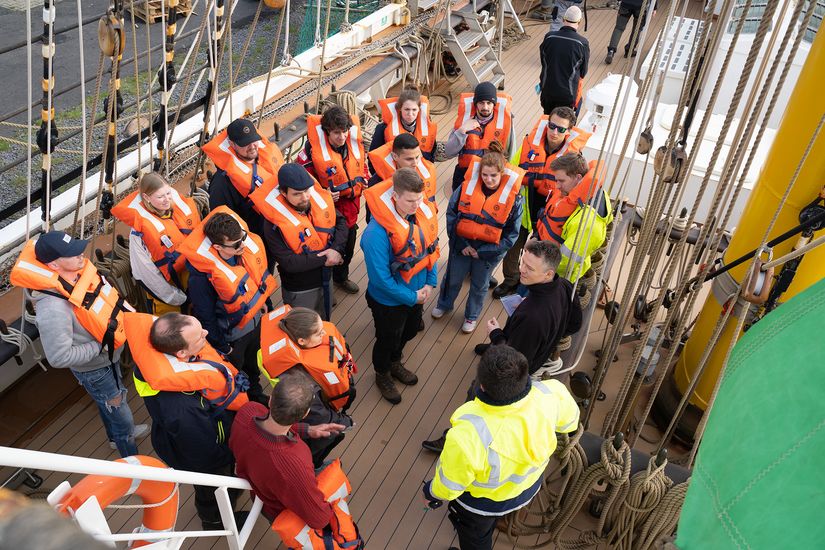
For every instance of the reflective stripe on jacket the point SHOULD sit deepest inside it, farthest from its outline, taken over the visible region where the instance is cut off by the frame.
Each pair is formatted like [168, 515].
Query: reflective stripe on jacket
[494, 456]
[384, 166]
[536, 161]
[414, 245]
[245, 176]
[242, 288]
[330, 363]
[584, 232]
[425, 129]
[498, 129]
[559, 207]
[212, 376]
[161, 235]
[337, 174]
[482, 217]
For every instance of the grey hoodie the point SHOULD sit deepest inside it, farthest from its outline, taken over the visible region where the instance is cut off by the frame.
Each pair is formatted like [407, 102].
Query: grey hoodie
[66, 343]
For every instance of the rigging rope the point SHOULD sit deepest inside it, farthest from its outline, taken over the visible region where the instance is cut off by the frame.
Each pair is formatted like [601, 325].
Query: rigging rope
[274, 53]
[323, 53]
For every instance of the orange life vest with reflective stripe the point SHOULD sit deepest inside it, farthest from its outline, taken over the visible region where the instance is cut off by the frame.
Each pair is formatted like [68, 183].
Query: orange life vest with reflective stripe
[337, 174]
[558, 208]
[210, 374]
[384, 166]
[96, 304]
[536, 161]
[481, 217]
[161, 235]
[303, 233]
[498, 129]
[242, 288]
[245, 176]
[414, 246]
[425, 129]
[330, 364]
[340, 534]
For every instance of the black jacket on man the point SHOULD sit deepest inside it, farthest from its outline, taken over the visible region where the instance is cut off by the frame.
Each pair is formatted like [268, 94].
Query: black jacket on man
[565, 55]
[543, 318]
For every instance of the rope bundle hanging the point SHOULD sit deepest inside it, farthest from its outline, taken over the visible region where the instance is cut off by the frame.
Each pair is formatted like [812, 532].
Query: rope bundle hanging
[167, 79]
[662, 520]
[47, 136]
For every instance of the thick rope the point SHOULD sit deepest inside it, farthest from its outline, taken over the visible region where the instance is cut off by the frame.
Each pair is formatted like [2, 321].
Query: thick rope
[663, 519]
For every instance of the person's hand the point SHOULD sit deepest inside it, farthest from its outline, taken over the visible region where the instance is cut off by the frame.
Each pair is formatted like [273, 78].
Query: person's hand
[335, 196]
[420, 296]
[492, 324]
[325, 430]
[471, 124]
[654, 13]
[470, 251]
[332, 257]
[429, 290]
[432, 501]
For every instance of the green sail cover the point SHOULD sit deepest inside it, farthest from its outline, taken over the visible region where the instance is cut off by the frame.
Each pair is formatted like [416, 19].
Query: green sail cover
[759, 481]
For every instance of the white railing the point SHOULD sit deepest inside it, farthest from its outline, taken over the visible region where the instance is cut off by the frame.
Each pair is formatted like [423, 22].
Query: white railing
[236, 537]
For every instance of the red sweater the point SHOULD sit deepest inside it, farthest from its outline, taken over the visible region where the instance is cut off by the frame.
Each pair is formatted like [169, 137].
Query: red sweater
[279, 468]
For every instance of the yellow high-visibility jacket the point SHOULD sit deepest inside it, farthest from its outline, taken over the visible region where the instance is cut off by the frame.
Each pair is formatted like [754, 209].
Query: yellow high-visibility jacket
[579, 244]
[495, 455]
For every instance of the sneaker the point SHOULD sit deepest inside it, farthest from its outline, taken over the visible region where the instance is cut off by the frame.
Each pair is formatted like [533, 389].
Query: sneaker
[348, 286]
[503, 289]
[400, 373]
[435, 445]
[468, 326]
[481, 348]
[438, 313]
[609, 58]
[386, 386]
[493, 283]
[140, 431]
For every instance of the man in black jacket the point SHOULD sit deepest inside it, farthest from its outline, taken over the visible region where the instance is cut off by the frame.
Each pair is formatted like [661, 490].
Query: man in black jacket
[305, 276]
[565, 55]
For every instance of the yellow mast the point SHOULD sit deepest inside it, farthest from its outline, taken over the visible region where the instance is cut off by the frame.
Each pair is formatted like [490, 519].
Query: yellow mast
[804, 111]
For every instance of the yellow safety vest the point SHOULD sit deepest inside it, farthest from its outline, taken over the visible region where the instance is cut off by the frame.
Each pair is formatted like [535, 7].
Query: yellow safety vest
[500, 452]
[580, 244]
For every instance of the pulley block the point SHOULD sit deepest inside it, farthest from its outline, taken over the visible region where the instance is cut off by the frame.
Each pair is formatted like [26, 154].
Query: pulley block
[670, 296]
[645, 143]
[110, 35]
[670, 167]
[118, 105]
[611, 311]
[169, 74]
[641, 309]
[42, 138]
[107, 202]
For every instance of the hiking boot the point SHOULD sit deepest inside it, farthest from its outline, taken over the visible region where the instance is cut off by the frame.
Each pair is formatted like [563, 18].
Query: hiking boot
[386, 386]
[481, 348]
[493, 283]
[406, 377]
[504, 289]
[609, 58]
[435, 445]
[348, 286]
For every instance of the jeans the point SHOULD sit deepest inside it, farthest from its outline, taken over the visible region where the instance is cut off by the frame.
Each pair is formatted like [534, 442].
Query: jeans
[458, 267]
[394, 327]
[340, 273]
[561, 7]
[622, 17]
[105, 386]
[475, 532]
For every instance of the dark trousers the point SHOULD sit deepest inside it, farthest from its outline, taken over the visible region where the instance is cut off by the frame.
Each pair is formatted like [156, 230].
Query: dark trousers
[475, 532]
[622, 18]
[509, 264]
[548, 104]
[394, 327]
[244, 357]
[207, 505]
[340, 273]
[458, 176]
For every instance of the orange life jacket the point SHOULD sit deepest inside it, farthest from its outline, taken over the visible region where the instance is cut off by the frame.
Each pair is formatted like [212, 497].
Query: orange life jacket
[245, 176]
[242, 288]
[209, 374]
[303, 233]
[558, 208]
[536, 161]
[415, 246]
[481, 217]
[344, 176]
[161, 235]
[425, 129]
[96, 304]
[340, 534]
[497, 129]
[330, 364]
[384, 166]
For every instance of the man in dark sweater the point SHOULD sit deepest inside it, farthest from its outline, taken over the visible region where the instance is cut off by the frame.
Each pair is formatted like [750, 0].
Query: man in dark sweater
[270, 452]
[564, 55]
[546, 315]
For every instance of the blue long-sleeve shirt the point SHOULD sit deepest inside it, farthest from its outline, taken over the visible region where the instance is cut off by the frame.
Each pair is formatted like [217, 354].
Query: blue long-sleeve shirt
[486, 251]
[384, 286]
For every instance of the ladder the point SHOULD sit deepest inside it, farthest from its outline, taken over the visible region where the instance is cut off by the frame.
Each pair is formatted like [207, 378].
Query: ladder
[471, 48]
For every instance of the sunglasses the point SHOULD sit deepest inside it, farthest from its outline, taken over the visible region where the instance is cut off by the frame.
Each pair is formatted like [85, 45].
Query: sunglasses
[237, 244]
[559, 129]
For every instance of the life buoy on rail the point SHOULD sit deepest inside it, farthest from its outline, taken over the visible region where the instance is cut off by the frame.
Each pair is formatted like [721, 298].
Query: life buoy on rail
[161, 497]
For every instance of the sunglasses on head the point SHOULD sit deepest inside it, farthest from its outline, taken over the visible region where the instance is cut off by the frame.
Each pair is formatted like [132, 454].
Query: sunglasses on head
[559, 129]
[237, 244]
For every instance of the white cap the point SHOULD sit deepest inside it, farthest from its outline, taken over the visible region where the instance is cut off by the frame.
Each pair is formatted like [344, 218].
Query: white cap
[573, 14]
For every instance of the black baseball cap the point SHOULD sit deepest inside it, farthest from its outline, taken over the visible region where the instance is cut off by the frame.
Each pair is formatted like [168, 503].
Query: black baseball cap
[294, 176]
[242, 132]
[57, 244]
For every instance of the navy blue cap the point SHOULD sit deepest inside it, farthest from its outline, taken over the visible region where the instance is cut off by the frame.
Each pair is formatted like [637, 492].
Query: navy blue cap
[294, 176]
[57, 244]
[242, 132]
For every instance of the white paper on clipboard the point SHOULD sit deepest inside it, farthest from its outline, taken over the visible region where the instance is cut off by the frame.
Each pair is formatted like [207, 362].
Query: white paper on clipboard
[510, 303]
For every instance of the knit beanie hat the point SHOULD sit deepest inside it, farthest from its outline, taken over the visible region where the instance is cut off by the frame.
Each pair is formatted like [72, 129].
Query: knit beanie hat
[485, 91]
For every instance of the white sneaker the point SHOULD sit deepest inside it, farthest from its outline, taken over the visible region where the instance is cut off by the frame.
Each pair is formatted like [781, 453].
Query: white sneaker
[140, 431]
[468, 326]
[438, 313]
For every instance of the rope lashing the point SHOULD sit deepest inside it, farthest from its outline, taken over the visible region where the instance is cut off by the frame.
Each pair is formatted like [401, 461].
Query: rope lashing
[47, 136]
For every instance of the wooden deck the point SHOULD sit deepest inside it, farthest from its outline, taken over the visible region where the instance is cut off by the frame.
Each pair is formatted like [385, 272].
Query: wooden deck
[382, 455]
